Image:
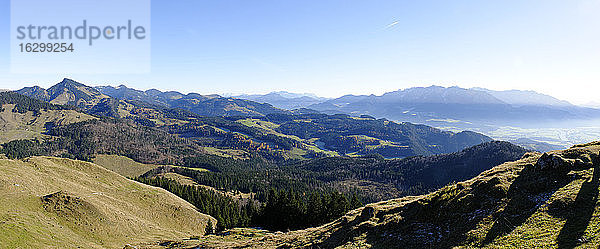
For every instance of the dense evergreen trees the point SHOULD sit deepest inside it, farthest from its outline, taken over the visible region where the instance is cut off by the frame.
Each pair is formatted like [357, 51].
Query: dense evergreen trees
[283, 210]
[24, 104]
[123, 137]
[23, 148]
[290, 210]
[228, 212]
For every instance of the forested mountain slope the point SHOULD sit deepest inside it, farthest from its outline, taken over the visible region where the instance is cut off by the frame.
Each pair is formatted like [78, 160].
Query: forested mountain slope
[72, 93]
[366, 135]
[372, 179]
[387, 179]
[206, 105]
[274, 135]
[540, 201]
[25, 118]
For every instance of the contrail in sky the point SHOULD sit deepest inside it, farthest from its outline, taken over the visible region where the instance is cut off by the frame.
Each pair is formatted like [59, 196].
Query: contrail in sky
[391, 25]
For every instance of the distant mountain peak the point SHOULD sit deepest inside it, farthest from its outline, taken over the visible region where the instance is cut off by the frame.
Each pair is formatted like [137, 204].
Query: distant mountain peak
[440, 95]
[209, 105]
[287, 94]
[435, 104]
[66, 82]
[524, 97]
[284, 99]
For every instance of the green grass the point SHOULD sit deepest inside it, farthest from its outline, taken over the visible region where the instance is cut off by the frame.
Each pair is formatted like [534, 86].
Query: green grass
[295, 153]
[232, 153]
[257, 123]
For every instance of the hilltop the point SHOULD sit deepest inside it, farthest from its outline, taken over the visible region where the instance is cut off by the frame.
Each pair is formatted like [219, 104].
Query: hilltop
[542, 200]
[70, 92]
[62, 203]
[25, 118]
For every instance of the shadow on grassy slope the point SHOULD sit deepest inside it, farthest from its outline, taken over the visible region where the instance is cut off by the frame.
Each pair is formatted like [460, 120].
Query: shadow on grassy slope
[509, 195]
[440, 220]
[531, 182]
[579, 214]
[521, 205]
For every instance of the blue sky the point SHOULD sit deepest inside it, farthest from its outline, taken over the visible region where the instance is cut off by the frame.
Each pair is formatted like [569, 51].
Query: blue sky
[332, 48]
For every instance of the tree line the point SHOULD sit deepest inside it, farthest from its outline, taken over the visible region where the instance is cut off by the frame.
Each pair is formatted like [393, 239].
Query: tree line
[24, 104]
[285, 209]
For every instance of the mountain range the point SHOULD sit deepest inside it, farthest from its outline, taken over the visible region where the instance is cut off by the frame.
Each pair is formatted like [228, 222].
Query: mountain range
[118, 102]
[423, 104]
[520, 116]
[592, 104]
[285, 100]
[221, 166]
[428, 105]
[244, 127]
[432, 94]
[206, 105]
[520, 98]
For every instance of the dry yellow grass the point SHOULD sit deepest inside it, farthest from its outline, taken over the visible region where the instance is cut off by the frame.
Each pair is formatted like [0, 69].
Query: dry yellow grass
[123, 165]
[128, 167]
[96, 208]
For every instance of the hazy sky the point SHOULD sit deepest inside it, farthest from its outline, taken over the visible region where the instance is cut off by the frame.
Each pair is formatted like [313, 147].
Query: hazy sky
[333, 48]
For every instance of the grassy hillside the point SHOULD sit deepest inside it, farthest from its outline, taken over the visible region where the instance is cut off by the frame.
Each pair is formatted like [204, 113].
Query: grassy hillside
[61, 203]
[129, 168]
[30, 125]
[123, 165]
[540, 201]
[26, 118]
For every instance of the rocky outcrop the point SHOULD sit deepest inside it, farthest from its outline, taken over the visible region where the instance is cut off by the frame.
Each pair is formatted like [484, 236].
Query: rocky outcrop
[566, 160]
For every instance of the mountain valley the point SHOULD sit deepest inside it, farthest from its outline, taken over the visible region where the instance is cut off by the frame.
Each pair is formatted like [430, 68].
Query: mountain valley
[89, 156]
[542, 200]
